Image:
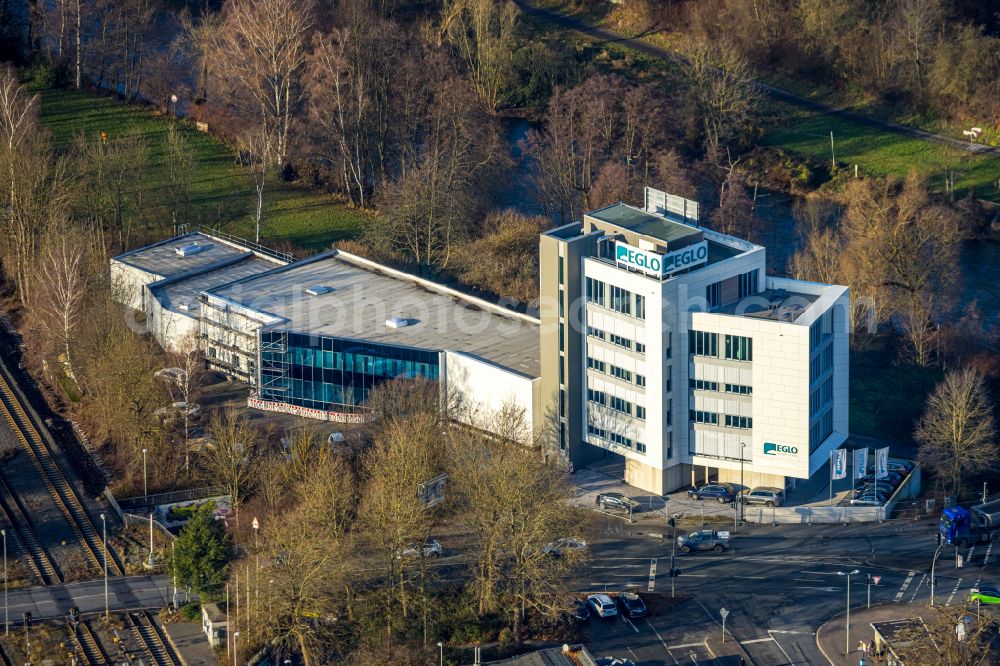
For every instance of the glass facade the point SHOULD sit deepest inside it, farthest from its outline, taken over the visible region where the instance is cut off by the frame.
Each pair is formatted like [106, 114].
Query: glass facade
[334, 374]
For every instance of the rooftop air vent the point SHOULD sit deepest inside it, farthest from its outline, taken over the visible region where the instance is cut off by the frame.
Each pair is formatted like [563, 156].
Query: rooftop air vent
[319, 290]
[188, 250]
[397, 322]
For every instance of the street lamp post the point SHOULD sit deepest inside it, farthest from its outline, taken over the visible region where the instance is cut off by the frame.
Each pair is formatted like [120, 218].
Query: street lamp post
[6, 617]
[145, 476]
[743, 455]
[847, 623]
[441, 653]
[107, 607]
[236, 635]
[933, 566]
[673, 549]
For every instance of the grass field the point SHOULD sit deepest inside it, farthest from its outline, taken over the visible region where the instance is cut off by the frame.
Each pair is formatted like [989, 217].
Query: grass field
[222, 192]
[887, 395]
[880, 153]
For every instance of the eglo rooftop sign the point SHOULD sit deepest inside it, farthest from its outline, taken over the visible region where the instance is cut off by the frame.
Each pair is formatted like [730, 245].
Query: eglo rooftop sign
[661, 265]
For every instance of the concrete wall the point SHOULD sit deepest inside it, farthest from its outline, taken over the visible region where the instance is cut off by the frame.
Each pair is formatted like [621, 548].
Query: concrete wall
[173, 330]
[128, 284]
[484, 390]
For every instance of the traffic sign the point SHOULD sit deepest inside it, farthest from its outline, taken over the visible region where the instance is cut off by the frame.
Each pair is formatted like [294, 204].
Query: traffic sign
[255, 524]
[876, 579]
[724, 613]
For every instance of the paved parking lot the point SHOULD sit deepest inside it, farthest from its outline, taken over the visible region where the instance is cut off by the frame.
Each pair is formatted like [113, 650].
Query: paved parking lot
[596, 479]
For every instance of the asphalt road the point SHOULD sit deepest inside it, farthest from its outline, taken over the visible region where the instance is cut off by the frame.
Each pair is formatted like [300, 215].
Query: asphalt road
[577, 25]
[150, 592]
[779, 584]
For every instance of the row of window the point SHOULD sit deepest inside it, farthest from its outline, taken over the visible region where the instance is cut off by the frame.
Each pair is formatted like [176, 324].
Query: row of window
[737, 347]
[712, 418]
[615, 438]
[618, 404]
[620, 300]
[821, 396]
[820, 363]
[820, 430]
[615, 339]
[615, 371]
[746, 284]
[706, 385]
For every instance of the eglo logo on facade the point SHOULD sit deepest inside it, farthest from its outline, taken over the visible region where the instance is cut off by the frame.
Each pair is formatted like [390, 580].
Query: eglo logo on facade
[771, 449]
[657, 264]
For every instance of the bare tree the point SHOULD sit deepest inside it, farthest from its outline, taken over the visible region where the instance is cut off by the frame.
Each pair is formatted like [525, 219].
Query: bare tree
[957, 432]
[258, 149]
[931, 639]
[232, 457]
[406, 453]
[722, 94]
[257, 55]
[483, 34]
[180, 162]
[197, 36]
[65, 284]
[515, 506]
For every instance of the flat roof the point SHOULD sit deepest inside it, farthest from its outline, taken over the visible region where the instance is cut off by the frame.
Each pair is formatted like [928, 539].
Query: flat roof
[772, 304]
[183, 290]
[667, 227]
[363, 296]
[163, 260]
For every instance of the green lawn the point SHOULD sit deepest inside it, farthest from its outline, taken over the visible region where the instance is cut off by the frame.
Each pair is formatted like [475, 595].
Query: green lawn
[887, 395]
[222, 192]
[880, 153]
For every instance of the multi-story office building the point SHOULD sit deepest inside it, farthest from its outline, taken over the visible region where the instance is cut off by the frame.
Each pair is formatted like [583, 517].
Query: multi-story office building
[667, 344]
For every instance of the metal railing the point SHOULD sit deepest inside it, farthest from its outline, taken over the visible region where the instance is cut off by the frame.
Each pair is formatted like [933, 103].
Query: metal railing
[143, 501]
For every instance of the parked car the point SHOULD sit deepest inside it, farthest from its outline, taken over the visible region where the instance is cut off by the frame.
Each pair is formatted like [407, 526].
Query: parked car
[178, 409]
[704, 540]
[618, 502]
[602, 605]
[881, 486]
[763, 495]
[579, 611]
[430, 549]
[613, 661]
[985, 594]
[723, 492]
[558, 547]
[631, 605]
[895, 478]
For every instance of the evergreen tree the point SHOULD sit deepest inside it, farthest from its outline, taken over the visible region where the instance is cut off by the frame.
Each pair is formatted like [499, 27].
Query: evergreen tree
[202, 553]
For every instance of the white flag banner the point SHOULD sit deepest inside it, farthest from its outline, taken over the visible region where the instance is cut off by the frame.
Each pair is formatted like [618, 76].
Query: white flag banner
[882, 463]
[839, 468]
[860, 462]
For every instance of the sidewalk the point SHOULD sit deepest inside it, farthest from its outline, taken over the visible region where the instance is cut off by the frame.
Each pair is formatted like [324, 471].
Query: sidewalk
[831, 637]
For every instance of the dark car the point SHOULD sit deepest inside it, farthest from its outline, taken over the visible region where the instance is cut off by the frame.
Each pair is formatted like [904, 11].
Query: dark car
[579, 611]
[723, 492]
[764, 495]
[632, 605]
[618, 502]
[895, 478]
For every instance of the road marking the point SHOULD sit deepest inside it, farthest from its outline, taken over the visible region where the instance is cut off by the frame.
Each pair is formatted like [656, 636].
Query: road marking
[660, 638]
[789, 631]
[917, 588]
[906, 584]
[629, 622]
[684, 647]
[953, 591]
[758, 640]
[968, 558]
[776, 642]
[652, 574]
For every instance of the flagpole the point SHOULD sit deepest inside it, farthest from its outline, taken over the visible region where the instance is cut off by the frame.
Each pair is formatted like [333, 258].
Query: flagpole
[831, 478]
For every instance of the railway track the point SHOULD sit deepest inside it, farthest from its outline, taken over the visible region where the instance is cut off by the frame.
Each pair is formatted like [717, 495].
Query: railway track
[58, 485]
[151, 637]
[92, 652]
[25, 538]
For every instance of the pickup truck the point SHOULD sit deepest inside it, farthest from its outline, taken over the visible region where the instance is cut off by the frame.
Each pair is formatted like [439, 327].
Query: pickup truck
[704, 540]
